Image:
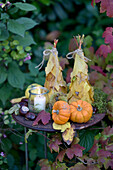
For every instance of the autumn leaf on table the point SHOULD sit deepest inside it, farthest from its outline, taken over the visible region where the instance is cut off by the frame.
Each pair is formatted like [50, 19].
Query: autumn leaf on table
[61, 127]
[54, 143]
[42, 116]
[68, 135]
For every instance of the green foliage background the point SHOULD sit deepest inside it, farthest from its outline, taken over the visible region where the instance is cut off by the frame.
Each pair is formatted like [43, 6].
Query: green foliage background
[26, 27]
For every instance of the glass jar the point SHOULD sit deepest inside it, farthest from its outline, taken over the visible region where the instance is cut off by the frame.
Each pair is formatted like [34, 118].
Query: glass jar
[38, 98]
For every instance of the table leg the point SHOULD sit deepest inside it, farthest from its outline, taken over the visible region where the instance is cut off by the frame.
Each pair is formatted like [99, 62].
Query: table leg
[45, 144]
[26, 150]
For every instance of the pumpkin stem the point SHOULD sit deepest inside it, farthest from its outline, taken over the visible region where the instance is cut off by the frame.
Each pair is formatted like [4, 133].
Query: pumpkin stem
[79, 108]
[56, 111]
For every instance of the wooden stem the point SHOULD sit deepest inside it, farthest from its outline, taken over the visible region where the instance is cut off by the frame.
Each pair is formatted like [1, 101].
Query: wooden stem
[79, 108]
[56, 111]
[55, 43]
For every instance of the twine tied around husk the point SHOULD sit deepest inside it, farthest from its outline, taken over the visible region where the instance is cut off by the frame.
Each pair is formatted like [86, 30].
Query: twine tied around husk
[47, 52]
[71, 55]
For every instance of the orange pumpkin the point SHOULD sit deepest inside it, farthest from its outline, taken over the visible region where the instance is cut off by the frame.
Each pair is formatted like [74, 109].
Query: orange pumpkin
[81, 111]
[61, 112]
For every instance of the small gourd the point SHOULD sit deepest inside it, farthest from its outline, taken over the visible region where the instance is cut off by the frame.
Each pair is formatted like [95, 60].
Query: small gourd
[81, 111]
[61, 112]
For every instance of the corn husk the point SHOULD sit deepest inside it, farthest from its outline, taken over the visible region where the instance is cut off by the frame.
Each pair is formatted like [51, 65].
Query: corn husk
[54, 81]
[80, 88]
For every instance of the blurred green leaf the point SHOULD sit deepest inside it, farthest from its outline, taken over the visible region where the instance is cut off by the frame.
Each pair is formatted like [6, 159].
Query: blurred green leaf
[16, 28]
[25, 6]
[27, 23]
[4, 34]
[68, 5]
[26, 40]
[86, 139]
[15, 76]
[13, 10]
[45, 2]
[10, 160]
[88, 41]
[33, 71]
[109, 58]
[5, 92]
[1, 162]
[15, 42]
[41, 78]
[3, 74]
[15, 139]
[19, 48]
[27, 48]
[33, 154]
[6, 122]
[4, 16]
[60, 11]
[6, 145]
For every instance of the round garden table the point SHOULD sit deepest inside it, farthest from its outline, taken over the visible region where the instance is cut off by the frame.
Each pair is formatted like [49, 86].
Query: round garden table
[48, 128]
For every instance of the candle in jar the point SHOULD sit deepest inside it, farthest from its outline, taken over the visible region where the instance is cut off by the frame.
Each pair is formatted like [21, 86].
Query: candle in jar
[40, 102]
[37, 90]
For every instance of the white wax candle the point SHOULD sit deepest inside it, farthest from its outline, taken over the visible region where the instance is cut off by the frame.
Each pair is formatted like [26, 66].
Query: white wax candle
[40, 102]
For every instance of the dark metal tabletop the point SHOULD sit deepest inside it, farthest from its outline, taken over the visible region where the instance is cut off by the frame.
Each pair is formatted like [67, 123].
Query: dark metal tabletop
[48, 127]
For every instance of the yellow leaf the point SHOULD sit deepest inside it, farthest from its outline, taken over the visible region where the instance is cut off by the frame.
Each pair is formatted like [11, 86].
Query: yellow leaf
[50, 64]
[61, 127]
[79, 66]
[68, 135]
[17, 100]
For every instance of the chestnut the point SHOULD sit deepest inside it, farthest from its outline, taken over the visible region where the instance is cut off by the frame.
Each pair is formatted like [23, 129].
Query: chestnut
[94, 109]
[24, 100]
[30, 116]
[23, 103]
[23, 110]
